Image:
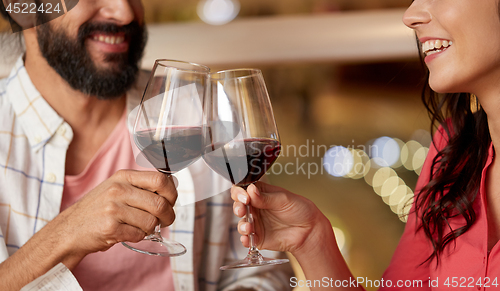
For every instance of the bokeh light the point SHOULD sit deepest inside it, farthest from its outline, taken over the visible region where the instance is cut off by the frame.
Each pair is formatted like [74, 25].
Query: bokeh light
[338, 161]
[397, 195]
[381, 177]
[385, 151]
[378, 168]
[419, 159]
[340, 237]
[407, 153]
[360, 162]
[390, 185]
[422, 136]
[218, 12]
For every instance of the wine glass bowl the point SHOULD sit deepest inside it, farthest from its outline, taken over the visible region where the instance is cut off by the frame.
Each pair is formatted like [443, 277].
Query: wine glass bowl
[241, 138]
[168, 131]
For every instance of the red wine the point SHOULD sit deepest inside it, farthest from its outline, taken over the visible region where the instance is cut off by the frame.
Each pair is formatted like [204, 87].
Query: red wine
[180, 147]
[242, 161]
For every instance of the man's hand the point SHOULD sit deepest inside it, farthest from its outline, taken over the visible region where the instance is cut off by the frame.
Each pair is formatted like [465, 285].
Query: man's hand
[126, 207]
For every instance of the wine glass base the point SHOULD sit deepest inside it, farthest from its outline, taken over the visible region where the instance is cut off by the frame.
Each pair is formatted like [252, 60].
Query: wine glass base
[157, 247]
[254, 259]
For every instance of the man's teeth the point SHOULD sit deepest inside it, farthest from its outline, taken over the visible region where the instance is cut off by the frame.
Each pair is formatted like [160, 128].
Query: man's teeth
[109, 39]
[434, 46]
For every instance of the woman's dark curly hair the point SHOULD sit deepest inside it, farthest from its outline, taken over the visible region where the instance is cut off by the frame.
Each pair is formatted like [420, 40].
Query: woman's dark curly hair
[456, 170]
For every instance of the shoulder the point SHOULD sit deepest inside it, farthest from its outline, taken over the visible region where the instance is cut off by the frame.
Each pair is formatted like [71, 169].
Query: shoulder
[6, 109]
[135, 93]
[134, 96]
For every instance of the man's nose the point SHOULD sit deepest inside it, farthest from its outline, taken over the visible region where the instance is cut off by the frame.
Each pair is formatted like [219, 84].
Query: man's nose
[119, 11]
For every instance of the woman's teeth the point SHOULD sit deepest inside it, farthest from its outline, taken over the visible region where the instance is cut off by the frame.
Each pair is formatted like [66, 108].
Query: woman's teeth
[435, 46]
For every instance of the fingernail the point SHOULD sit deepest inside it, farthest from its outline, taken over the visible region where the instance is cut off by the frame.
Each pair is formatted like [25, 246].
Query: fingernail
[242, 198]
[244, 228]
[236, 210]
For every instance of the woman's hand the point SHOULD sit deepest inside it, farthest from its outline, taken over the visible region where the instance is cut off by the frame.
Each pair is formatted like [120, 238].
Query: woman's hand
[282, 220]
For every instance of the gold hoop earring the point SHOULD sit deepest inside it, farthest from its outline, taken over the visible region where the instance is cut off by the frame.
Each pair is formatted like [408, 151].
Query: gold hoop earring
[475, 106]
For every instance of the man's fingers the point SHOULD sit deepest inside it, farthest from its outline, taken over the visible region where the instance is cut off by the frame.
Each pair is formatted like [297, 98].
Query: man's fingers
[151, 203]
[138, 218]
[129, 233]
[152, 181]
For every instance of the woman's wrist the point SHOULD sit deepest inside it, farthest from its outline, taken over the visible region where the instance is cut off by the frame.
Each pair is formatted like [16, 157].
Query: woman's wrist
[320, 257]
[320, 237]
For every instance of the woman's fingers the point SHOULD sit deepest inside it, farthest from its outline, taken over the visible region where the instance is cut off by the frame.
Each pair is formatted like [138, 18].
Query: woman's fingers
[239, 209]
[245, 241]
[244, 227]
[273, 200]
[239, 194]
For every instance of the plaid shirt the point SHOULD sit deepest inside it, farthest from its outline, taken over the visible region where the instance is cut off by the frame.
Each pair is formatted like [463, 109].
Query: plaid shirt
[33, 144]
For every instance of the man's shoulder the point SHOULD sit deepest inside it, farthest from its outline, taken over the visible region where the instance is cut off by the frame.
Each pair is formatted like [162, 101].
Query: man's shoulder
[4, 102]
[3, 86]
[140, 84]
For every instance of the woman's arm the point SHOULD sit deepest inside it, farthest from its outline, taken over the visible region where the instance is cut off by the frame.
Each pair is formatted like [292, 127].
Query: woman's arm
[288, 222]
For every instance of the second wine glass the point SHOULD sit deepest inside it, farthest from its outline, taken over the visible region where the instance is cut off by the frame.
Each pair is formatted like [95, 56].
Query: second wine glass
[241, 138]
[168, 131]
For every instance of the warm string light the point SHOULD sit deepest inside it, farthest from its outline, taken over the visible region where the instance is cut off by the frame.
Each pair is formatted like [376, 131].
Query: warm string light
[218, 12]
[379, 168]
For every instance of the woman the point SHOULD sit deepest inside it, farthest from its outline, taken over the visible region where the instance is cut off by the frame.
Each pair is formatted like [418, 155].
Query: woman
[450, 240]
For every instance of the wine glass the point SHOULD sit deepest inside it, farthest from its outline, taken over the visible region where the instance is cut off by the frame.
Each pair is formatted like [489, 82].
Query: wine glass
[241, 138]
[168, 131]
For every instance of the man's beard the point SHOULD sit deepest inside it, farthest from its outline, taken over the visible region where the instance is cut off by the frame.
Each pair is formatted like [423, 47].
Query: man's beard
[71, 60]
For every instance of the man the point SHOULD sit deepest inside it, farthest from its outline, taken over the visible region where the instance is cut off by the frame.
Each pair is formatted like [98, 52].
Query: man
[63, 141]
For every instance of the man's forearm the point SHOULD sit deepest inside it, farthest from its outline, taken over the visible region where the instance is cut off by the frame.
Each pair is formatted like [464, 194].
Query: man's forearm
[41, 253]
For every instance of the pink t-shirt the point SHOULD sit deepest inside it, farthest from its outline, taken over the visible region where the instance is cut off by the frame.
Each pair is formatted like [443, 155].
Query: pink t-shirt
[118, 268]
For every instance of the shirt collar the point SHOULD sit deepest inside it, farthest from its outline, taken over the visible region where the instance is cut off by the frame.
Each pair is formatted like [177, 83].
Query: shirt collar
[38, 120]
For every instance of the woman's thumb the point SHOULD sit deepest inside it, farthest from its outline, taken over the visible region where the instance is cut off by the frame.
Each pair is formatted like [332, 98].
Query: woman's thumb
[265, 200]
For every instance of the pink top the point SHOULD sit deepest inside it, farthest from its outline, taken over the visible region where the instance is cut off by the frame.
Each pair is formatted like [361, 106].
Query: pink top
[466, 266]
[118, 268]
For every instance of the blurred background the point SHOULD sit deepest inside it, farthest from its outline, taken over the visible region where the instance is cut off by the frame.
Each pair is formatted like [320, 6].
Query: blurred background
[344, 78]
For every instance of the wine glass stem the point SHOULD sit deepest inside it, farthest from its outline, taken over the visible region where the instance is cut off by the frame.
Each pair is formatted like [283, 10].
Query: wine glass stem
[158, 229]
[249, 219]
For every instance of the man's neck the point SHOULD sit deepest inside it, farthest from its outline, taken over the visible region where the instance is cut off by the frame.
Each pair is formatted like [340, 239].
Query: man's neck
[92, 120]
